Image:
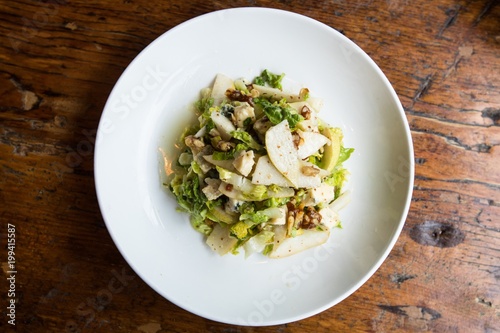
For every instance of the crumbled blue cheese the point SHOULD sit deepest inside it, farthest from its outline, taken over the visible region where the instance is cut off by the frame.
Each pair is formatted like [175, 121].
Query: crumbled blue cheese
[244, 162]
[242, 113]
[232, 205]
[211, 191]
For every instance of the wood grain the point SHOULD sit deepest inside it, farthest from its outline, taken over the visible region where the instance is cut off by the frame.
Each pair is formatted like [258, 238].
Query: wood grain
[59, 60]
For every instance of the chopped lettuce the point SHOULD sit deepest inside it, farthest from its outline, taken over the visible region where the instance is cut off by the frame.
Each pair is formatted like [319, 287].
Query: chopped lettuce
[337, 179]
[277, 112]
[256, 218]
[191, 199]
[261, 216]
[246, 138]
[274, 80]
[240, 85]
[345, 153]
[275, 202]
[223, 155]
[240, 230]
[204, 104]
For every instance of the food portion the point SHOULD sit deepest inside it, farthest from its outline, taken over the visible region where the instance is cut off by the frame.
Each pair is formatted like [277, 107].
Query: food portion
[260, 171]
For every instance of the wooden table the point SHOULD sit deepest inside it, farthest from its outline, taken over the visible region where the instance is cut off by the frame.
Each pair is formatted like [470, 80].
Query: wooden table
[59, 60]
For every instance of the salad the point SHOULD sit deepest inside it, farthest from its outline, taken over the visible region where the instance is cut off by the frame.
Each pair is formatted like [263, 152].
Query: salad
[260, 171]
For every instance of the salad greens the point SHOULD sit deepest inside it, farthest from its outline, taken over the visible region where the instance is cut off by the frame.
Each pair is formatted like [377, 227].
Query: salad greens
[260, 171]
[277, 112]
[273, 80]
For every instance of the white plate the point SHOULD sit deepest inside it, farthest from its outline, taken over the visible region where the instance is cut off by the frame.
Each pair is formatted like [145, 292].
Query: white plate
[147, 111]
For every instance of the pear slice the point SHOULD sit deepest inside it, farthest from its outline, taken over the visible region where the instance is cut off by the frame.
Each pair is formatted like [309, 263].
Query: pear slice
[282, 151]
[307, 179]
[220, 240]
[265, 173]
[311, 143]
[276, 94]
[332, 151]
[292, 245]
[219, 214]
[221, 85]
[226, 164]
[223, 124]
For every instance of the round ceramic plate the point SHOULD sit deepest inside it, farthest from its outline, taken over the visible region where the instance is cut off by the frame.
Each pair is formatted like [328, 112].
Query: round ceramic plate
[146, 113]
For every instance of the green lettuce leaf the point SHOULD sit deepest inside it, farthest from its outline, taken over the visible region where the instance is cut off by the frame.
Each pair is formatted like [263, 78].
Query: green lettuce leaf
[275, 202]
[337, 179]
[240, 230]
[191, 199]
[223, 155]
[261, 216]
[246, 138]
[274, 80]
[277, 112]
[205, 102]
[256, 218]
[345, 153]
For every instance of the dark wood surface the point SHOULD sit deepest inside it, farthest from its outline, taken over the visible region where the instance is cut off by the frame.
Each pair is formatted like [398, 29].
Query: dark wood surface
[59, 60]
